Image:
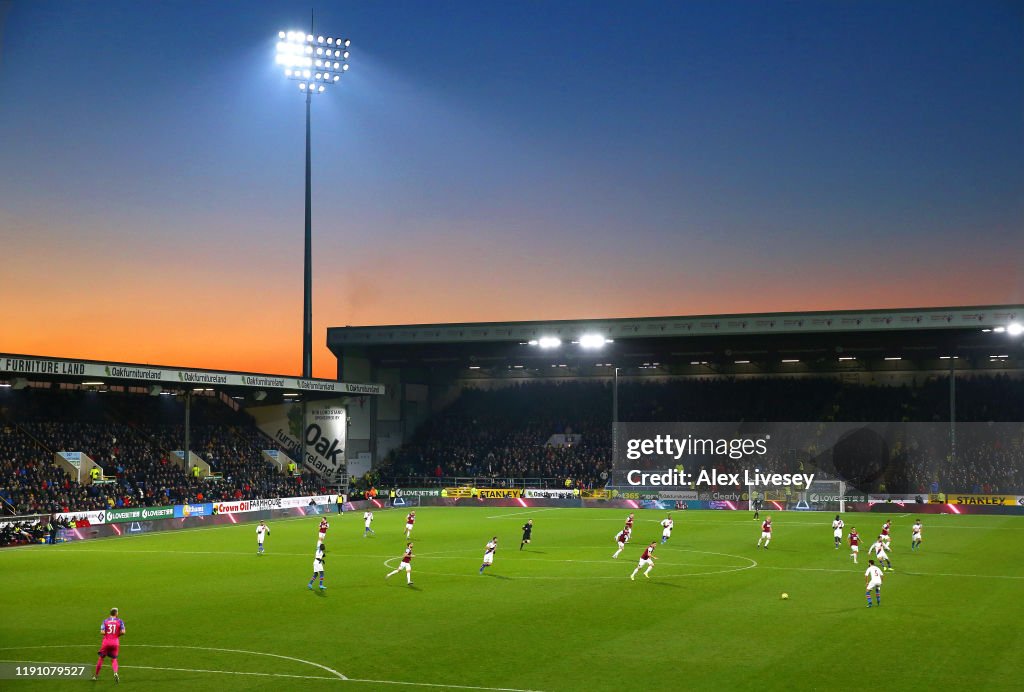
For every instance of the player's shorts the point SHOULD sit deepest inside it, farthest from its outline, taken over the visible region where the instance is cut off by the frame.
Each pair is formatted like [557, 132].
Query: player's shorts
[620, 544]
[109, 649]
[645, 562]
[667, 533]
[367, 524]
[838, 533]
[766, 534]
[318, 566]
[873, 583]
[407, 566]
[882, 555]
[488, 558]
[916, 537]
[323, 535]
[854, 548]
[408, 527]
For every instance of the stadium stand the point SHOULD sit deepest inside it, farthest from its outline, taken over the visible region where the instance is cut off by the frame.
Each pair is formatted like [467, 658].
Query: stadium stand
[131, 438]
[496, 435]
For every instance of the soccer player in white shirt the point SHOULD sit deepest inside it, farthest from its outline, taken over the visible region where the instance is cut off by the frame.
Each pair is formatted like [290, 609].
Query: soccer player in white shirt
[367, 520]
[318, 567]
[492, 545]
[873, 580]
[837, 531]
[666, 528]
[262, 531]
[879, 548]
[915, 539]
[405, 564]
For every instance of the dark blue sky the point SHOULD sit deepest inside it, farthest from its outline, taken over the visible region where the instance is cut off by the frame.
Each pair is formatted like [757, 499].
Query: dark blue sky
[503, 161]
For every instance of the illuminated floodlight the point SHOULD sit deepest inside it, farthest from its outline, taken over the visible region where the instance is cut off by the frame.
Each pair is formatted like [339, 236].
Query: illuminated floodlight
[999, 330]
[297, 57]
[1015, 329]
[592, 341]
[549, 342]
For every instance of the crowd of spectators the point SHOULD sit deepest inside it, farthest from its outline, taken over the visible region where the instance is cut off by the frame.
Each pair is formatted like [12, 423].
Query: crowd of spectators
[132, 440]
[501, 433]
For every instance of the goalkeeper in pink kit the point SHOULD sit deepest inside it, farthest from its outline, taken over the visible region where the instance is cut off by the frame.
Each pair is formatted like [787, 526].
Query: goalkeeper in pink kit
[112, 628]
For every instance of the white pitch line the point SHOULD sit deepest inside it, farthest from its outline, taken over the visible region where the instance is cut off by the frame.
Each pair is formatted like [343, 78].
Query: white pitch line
[445, 686]
[335, 674]
[187, 670]
[913, 574]
[528, 511]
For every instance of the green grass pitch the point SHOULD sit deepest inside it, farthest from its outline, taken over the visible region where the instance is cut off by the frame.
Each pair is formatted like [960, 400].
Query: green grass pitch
[204, 612]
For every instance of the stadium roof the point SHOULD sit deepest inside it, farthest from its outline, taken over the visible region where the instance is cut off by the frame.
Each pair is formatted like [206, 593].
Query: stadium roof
[978, 333]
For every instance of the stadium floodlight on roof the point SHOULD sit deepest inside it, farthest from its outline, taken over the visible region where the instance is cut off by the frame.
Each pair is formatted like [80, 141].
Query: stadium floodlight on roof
[549, 342]
[1015, 329]
[592, 341]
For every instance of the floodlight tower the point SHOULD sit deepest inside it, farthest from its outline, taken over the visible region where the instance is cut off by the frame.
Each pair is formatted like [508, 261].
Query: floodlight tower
[316, 63]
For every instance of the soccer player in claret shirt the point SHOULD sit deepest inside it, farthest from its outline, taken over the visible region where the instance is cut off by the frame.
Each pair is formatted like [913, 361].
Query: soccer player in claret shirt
[621, 540]
[646, 559]
[873, 579]
[629, 522]
[766, 532]
[323, 530]
[837, 531]
[405, 565]
[409, 521]
[885, 538]
[527, 531]
[915, 539]
[262, 531]
[854, 544]
[492, 545]
[112, 628]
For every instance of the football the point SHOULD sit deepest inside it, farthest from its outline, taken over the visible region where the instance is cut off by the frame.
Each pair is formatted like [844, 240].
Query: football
[785, 596]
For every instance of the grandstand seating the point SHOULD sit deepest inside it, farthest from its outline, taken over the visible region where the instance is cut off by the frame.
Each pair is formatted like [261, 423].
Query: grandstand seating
[500, 433]
[130, 437]
[493, 435]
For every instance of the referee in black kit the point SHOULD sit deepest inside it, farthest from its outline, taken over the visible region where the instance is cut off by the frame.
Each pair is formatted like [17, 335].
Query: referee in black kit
[527, 530]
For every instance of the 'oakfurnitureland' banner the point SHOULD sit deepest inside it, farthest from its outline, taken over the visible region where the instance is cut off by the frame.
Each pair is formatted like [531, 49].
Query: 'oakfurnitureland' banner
[123, 371]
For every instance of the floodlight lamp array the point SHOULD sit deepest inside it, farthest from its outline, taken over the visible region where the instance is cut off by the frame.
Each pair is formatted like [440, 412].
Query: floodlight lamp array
[315, 62]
